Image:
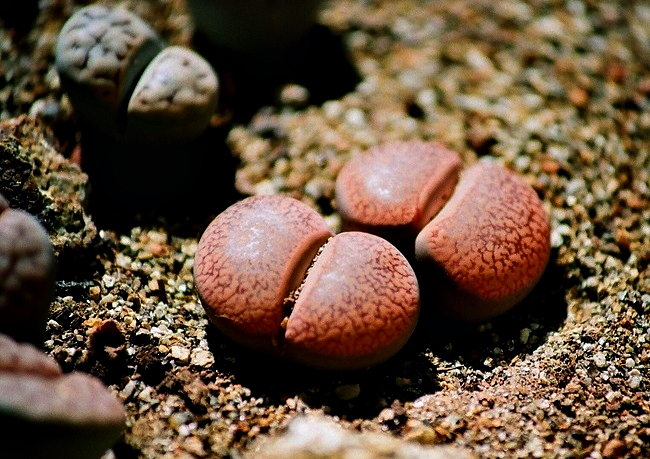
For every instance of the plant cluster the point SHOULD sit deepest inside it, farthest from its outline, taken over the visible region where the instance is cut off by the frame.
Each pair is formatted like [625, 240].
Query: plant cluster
[273, 277]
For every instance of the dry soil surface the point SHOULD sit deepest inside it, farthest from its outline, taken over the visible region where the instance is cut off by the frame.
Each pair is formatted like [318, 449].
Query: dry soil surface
[558, 91]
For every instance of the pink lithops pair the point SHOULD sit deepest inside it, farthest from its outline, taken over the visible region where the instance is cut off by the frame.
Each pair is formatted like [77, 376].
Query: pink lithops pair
[273, 277]
[480, 246]
[72, 416]
[26, 274]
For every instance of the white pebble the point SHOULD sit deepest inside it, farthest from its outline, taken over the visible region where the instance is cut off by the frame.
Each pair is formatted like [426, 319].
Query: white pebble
[634, 382]
[600, 360]
[181, 354]
[202, 358]
[355, 117]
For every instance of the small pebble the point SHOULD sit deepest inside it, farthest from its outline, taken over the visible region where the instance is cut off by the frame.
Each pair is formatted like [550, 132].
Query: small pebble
[180, 353]
[600, 360]
[202, 358]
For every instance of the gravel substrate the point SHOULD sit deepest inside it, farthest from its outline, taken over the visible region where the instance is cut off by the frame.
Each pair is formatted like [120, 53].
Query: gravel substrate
[558, 91]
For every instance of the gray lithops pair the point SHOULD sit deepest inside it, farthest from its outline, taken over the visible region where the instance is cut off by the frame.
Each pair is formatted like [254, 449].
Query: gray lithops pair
[26, 274]
[68, 416]
[125, 83]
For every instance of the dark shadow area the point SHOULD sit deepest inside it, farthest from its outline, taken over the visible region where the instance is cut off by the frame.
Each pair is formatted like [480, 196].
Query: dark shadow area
[78, 265]
[73, 288]
[319, 63]
[18, 15]
[179, 187]
[123, 450]
[405, 377]
[541, 312]
[183, 187]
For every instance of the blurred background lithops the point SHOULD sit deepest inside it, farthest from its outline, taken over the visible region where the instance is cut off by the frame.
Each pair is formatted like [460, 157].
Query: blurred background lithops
[173, 100]
[27, 273]
[68, 416]
[142, 107]
[100, 54]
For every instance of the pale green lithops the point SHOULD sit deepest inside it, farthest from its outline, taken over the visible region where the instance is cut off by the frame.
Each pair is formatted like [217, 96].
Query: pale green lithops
[26, 274]
[174, 99]
[125, 84]
[69, 416]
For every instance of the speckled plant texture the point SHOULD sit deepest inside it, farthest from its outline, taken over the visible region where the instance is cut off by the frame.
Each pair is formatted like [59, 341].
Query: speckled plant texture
[556, 91]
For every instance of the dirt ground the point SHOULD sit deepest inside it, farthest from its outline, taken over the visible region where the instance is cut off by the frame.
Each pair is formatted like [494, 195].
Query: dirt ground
[558, 91]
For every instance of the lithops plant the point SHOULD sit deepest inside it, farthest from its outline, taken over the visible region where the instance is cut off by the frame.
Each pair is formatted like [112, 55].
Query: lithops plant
[4, 204]
[173, 99]
[488, 246]
[27, 274]
[394, 189]
[358, 305]
[100, 53]
[26, 358]
[125, 84]
[480, 245]
[67, 415]
[271, 276]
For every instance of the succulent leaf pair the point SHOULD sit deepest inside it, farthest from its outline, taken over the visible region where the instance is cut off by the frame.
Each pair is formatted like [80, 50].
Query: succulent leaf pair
[126, 84]
[72, 415]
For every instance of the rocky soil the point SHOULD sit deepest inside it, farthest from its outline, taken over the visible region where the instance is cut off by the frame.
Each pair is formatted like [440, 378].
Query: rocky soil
[558, 91]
